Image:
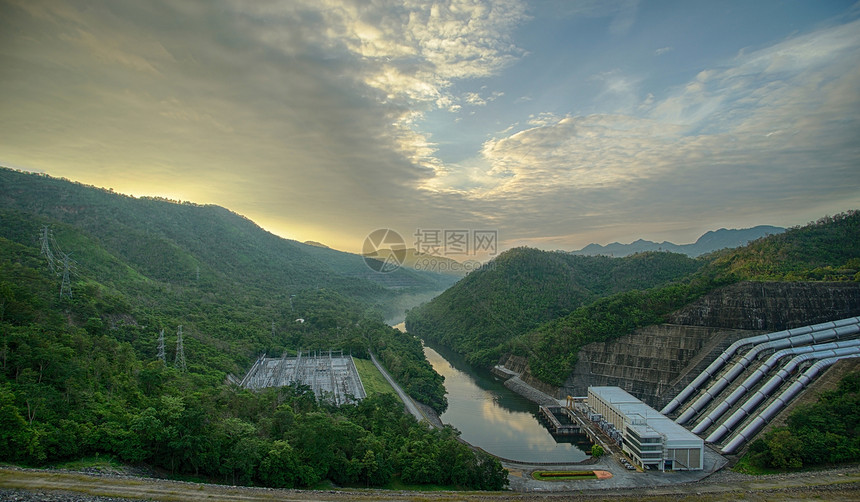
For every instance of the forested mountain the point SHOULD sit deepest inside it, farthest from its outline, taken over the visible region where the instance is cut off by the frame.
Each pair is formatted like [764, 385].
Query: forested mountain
[506, 309]
[709, 242]
[187, 243]
[79, 368]
[523, 288]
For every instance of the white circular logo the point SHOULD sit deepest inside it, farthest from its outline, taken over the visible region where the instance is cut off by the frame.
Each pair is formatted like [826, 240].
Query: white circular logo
[384, 250]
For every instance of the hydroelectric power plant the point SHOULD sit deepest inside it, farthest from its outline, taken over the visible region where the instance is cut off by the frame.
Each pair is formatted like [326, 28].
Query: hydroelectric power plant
[725, 368]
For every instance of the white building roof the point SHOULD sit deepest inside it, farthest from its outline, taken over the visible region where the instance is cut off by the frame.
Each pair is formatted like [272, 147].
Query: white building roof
[633, 409]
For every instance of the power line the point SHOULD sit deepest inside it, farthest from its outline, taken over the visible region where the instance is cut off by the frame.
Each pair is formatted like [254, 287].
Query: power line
[161, 347]
[179, 361]
[66, 285]
[45, 239]
[50, 248]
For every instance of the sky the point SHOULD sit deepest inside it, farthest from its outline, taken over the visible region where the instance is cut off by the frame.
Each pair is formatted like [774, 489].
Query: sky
[553, 123]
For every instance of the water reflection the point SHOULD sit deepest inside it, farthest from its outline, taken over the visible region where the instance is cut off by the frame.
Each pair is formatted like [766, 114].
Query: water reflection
[494, 418]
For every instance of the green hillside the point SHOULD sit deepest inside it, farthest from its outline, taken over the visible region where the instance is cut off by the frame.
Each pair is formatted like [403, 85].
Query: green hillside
[81, 377]
[506, 310]
[524, 288]
[825, 250]
[168, 241]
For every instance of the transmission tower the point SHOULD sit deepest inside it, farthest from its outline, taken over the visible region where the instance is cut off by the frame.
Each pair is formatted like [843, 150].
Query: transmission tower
[66, 285]
[179, 362]
[45, 239]
[161, 347]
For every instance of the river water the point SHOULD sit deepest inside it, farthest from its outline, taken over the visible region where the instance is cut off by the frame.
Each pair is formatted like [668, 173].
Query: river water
[492, 417]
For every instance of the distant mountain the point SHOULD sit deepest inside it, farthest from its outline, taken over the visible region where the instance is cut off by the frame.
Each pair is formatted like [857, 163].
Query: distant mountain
[317, 244]
[709, 242]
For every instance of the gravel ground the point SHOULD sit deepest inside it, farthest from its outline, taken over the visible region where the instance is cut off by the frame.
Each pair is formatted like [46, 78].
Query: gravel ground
[26, 485]
[42, 496]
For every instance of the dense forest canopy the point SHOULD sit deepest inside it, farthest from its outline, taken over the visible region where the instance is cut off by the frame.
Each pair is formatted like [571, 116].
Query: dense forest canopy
[824, 432]
[80, 373]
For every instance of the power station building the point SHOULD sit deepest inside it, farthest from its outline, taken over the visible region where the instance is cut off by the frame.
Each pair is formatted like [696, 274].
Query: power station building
[649, 437]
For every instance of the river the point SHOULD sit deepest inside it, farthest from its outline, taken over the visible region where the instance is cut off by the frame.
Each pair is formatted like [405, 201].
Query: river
[494, 418]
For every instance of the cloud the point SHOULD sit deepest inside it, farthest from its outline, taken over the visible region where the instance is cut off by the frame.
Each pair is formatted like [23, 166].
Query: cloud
[624, 19]
[313, 115]
[663, 50]
[620, 92]
[224, 100]
[408, 50]
[578, 152]
[476, 99]
[621, 12]
[770, 126]
[407, 54]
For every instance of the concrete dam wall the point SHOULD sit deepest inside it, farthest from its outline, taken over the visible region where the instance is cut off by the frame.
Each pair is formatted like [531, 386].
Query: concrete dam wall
[648, 362]
[772, 306]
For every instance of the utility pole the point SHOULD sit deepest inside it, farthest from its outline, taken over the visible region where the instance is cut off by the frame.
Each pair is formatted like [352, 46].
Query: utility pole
[66, 285]
[45, 239]
[179, 362]
[161, 347]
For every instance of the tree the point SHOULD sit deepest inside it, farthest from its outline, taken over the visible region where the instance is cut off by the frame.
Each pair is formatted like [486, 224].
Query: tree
[281, 467]
[369, 466]
[597, 451]
[786, 449]
[14, 435]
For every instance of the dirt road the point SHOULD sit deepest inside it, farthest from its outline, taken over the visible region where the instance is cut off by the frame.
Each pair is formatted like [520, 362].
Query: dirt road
[411, 407]
[27, 485]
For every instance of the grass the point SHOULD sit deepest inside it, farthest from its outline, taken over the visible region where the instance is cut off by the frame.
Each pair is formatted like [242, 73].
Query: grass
[744, 466]
[372, 379]
[563, 475]
[89, 463]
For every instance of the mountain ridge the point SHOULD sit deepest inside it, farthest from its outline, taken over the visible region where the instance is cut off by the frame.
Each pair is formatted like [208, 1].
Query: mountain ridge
[710, 241]
[183, 242]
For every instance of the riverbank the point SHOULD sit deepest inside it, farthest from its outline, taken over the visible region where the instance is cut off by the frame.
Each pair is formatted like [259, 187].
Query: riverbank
[516, 384]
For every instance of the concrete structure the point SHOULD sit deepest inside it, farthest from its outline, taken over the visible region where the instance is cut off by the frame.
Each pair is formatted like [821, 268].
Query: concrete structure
[559, 420]
[332, 377]
[655, 363]
[648, 436]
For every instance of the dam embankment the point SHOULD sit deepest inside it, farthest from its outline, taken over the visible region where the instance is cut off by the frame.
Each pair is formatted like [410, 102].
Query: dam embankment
[655, 362]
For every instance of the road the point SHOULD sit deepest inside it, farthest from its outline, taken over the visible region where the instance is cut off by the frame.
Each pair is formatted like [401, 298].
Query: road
[842, 484]
[411, 407]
